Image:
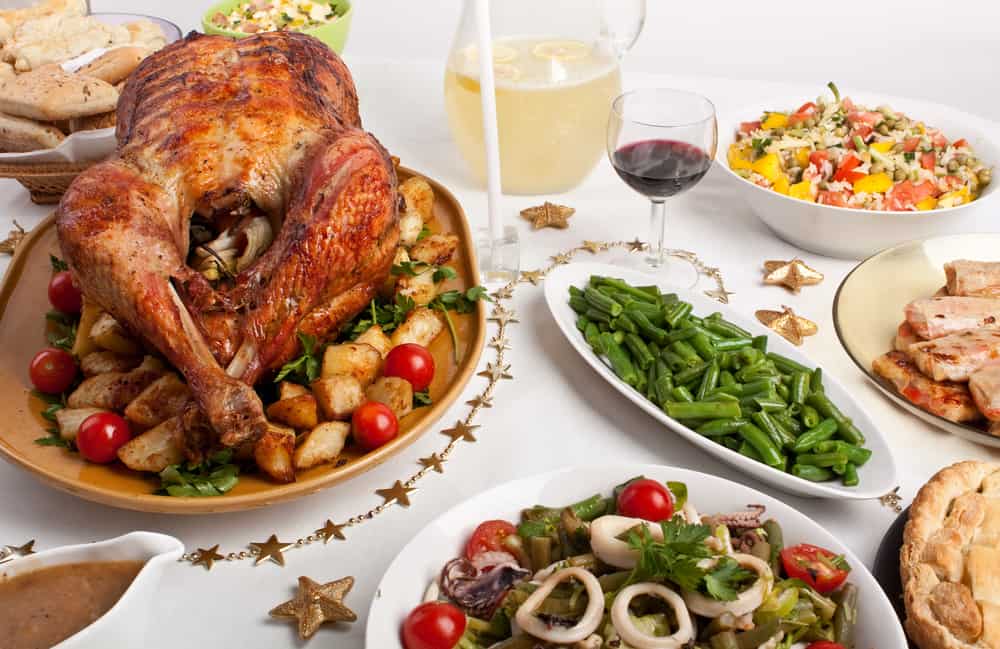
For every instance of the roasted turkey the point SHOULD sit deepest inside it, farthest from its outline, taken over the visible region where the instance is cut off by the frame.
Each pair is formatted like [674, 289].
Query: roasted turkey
[207, 126]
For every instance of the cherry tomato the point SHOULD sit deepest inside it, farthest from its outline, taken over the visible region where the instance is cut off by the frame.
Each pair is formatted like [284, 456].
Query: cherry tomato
[52, 370]
[374, 424]
[814, 565]
[433, 625]
[928, 160]
[101, 435]
[488, 537]
[646, 499]
[63, 294]
[412, 362]
[825, 644]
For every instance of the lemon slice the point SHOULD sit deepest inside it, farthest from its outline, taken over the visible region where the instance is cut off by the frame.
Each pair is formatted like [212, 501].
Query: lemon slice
[506, 72]
[501, 53]
[561, 50]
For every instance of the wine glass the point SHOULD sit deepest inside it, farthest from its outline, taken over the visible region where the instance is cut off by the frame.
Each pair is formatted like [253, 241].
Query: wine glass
[661, 142]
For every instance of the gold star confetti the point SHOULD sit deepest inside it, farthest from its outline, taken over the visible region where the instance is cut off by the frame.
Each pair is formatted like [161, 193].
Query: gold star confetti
[481, 401]
[793, 274]
[503, 293]
[594, 246]
[9, 245]
[461, 431]
[8, 552]
[397, 493]
[503, 315]
[270, 549]
[499, 343]
[330, 530]
[636, 245]
[496, 372]
[789, 326]
[533, 276]
[561, 258]
[548, 215]
[315, 604]
[434, 461]
[208, 557]
[720, 294]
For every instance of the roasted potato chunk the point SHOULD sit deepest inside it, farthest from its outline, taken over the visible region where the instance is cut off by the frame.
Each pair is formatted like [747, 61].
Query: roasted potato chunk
[84, 343]
[115, 390]
[395, 392]
[287, 390]
[436, 250]
[273, 453]
[421, 327]
[156, 449]
[410, 225]
[419, 197]
[107, 334]
[360, 360]
[420, 288]
[338, 396]
[322, 444]
[298, 412]
[69, 419]
[162, 399]
[102, 362]
[375, 337]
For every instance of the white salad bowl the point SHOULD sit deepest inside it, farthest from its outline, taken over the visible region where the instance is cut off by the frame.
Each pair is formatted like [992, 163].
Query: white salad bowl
[124, 625]
[402, 588]
[851, 233]
[877, 476]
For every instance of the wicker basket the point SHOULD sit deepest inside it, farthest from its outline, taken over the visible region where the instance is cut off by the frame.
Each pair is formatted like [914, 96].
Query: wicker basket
[46, 181]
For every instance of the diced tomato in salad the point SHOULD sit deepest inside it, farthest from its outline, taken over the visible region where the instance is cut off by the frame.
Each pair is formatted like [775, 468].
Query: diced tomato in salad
[749, 127]
[868, 118]
[804, 112]
[928, 160]
[845, 172]
[837, 199]
[905, 195]
[910, 144]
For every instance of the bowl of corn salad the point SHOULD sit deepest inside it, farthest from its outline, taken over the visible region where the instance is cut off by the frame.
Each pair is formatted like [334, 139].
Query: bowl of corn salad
[327, 20]
[849, 177]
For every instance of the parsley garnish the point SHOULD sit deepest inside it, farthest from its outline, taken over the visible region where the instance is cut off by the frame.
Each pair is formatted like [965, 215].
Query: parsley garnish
[53, 404]
[411, 268]
[62, 332]
[305, 368]
[424, 233]
[909, 156]
[443, 273]
[759, 144]
[421, 399]
[58, 265]
[723, 580]
[213, 477]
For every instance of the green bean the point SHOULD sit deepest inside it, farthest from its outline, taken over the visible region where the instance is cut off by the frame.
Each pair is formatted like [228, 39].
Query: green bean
[681, 334]
[592, 334]
[582, 322]
[711, 335]
[730, 344]
[575, 292]
[744, 448]
[664, 385]
[720, 427]
[760, 442]
[603, 326]
[850, 477]
[819, 433]
[788, 422]
[628, 289]
[640, 383]
[590, 508]
[784, 393]
[760, 343]
[674, 360]
[776, 538]
[687, 352]
[781, 437]
[621, 364]
[540, 551]
[757, 636]
[691, 373]
[845, 427]
[668, 298]
[702, 409]
[578, 304]
[654, 349]
[793, 409]
[758, 387]
[602, 302]
[800, 387]
[726, 379]
[730, 442]
[816, 380]
[708, 381]
[654, 312]
[822, 459]
[639, 351]
[857, 455]
[619, 337]
[651, 382]
[721, 396]
[785, 364]
[733, 389]
[651, 289]
[648, 329]
[725, 328]
[769, 405]
[846, 616]
[811, 473]
[703, 346]
[624, 323]
[681, 394]
[809, 416]
[723, 640]
[677, 312]
[596, 315]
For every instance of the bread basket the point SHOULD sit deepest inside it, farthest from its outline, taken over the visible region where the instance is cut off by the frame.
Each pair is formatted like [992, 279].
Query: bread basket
[46, 181]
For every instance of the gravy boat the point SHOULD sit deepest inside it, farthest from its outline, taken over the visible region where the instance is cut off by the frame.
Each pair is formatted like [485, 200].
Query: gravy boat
[124, 625]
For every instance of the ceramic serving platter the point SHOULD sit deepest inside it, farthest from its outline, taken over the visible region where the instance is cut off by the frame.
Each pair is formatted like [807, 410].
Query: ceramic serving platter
[404, 583]
[878, 475]
[23, 305]
[869, 306]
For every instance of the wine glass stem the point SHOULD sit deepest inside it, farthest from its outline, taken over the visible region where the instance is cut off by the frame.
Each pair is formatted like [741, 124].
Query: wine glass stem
[657, 233]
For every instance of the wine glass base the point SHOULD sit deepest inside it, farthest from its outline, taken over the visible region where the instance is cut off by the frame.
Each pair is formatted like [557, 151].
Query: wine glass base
[671, 271]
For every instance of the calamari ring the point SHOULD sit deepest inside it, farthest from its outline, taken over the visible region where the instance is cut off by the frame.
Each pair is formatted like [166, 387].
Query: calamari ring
[592, 615]
[633, 636]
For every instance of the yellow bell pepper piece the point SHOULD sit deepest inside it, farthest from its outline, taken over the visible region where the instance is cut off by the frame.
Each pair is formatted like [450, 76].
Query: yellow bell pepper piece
[955, 198]
[802, 156]
[883, 147]
[737, 157]
[768, 166]
[928, 203]
[802, 190]
[775, 120]
[921, 128]
[781, 184]
[873, 184]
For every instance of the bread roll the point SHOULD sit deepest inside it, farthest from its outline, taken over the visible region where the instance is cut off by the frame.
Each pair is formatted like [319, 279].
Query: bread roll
[19, 135]
[50, 94]
[115, 65]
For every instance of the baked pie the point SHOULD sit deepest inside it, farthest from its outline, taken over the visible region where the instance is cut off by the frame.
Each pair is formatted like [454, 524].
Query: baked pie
[950, 560]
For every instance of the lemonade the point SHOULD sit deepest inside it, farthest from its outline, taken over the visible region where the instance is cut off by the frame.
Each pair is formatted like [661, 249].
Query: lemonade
[553, 99]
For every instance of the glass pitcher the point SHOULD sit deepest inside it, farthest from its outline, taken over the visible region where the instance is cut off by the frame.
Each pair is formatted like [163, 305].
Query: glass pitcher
[556, 64]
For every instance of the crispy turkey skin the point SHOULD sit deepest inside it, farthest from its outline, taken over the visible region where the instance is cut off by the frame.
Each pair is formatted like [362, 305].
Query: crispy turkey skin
[210, 124]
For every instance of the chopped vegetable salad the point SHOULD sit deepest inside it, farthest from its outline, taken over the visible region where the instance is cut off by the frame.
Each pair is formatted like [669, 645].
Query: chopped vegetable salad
[277, 15]
[840, 153]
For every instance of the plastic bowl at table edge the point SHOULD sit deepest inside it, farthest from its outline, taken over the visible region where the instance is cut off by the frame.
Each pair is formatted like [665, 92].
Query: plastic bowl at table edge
[420, 561]
[878, 475]
[334, 34]
[850, 233]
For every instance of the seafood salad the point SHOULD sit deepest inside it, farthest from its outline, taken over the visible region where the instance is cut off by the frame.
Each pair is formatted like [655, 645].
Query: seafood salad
[837, 152]
[639, 569]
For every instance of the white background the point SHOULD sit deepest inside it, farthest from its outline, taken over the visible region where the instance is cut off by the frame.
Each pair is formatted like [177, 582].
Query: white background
[556, 412]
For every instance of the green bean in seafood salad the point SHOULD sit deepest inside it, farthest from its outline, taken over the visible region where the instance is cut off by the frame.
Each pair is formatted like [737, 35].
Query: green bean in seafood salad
[637, 568]
[840, 153]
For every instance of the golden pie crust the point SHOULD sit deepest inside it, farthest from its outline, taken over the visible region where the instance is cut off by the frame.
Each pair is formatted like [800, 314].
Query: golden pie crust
[950, 560]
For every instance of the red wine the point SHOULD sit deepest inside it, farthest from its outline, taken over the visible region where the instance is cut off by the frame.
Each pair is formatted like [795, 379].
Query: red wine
[660, 168]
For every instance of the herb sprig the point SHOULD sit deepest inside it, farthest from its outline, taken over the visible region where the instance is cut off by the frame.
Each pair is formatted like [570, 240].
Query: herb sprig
[305, 368]
[213, 477]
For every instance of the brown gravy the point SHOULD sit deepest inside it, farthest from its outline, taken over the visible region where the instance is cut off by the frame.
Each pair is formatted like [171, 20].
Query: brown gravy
[44, 607]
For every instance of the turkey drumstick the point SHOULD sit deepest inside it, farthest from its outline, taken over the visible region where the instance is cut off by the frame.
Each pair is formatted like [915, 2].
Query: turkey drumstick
[210, 124]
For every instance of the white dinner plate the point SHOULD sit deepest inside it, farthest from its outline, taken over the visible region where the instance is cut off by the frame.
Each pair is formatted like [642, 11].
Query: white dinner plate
[877, 476]
[403, 585]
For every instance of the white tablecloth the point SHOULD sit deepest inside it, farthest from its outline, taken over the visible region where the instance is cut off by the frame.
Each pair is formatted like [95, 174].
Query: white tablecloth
[555, 412]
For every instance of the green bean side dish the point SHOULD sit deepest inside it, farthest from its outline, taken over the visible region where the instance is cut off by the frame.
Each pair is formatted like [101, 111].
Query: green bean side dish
[719, 380]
